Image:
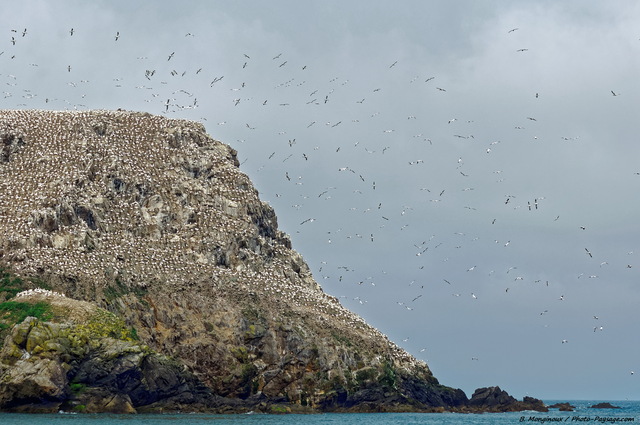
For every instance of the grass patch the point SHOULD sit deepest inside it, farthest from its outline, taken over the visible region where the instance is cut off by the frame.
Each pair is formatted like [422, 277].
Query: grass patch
[15, 312]
[10, 285]
[77, 387]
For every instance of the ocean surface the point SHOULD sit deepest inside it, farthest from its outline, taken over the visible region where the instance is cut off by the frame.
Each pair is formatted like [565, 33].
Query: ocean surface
[629, 412]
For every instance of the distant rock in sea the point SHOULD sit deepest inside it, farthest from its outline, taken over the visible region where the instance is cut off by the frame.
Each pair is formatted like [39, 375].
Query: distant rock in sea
[494, 399]
[563, 407]
[604, 406]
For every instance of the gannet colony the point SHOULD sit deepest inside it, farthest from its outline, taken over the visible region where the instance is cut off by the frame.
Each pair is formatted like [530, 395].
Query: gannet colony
[151, 220]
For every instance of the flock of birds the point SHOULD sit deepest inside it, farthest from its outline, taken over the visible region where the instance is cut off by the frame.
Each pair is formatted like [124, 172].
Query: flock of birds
[39, 292]
[306, 156]
[146, 199]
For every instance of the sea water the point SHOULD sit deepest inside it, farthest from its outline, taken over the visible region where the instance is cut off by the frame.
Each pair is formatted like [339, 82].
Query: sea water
[629, 412]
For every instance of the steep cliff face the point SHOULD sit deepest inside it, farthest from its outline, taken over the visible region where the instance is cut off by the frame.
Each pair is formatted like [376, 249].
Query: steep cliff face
[152, 220]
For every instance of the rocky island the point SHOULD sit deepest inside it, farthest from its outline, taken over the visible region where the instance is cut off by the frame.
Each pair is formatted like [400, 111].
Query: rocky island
[141, 272]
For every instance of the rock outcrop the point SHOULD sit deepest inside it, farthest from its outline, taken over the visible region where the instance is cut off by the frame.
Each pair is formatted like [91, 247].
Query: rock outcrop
[604, 406]
[150, 220]
[86, 360]
[563, 407]
[493, 399]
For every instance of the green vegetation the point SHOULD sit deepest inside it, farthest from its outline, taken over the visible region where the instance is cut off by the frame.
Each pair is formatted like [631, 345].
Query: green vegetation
[247, 379]
[240, 353]
[277, 408]
[254, 331]
[256, 323]
[77, 387]
[15, 312]
[104, 324]
[10, 285]
[388, 376]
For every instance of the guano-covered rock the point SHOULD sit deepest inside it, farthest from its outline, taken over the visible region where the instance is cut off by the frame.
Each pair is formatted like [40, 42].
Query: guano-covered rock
[149, 221]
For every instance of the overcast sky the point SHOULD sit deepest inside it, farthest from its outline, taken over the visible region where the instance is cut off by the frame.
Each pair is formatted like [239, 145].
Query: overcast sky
[471, 168]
